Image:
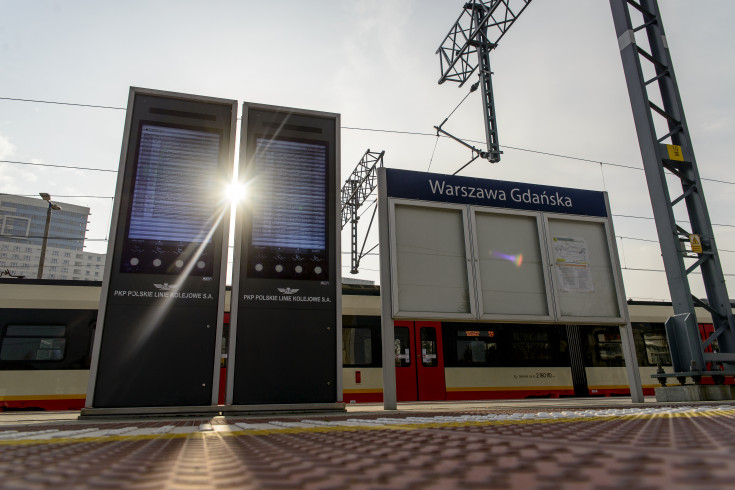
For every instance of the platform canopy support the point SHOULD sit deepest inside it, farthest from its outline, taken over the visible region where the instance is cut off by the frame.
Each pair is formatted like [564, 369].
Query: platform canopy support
[667, 152]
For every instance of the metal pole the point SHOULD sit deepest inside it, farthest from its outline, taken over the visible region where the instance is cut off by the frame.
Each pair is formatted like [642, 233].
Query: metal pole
[390, 394]
[678, 159]
[353, 226]
[45, 240]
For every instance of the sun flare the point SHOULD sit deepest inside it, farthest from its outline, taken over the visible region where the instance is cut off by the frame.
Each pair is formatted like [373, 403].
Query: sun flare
[235, 192]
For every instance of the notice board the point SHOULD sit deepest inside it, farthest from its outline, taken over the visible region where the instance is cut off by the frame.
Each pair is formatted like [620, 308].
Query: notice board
[466, 248]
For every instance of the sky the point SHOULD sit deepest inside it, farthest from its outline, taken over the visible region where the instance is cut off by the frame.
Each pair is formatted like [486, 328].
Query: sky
[558, 82]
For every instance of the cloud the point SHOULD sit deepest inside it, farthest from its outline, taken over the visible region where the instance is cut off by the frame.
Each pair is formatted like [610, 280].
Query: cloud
[6, 148]
[14, 180]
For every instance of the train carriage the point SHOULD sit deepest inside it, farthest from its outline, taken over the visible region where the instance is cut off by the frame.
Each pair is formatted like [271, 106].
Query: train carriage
[47, 328]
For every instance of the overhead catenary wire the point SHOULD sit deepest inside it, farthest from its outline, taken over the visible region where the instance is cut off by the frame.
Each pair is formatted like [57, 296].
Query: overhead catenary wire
[601, 163]
[642, 269]
[473, 88]
[651, 218]
[558, 155]
[367, 208]
[415, 133]
[648, 240]
[436, 143]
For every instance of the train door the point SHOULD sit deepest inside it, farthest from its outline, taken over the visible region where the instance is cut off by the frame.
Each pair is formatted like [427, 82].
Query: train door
[430, 361]
[705, 330]
[223, 359]
[419, 361]
[406, 387]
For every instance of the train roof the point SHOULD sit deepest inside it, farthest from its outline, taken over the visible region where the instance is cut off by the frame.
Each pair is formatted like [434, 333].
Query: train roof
[347, 289]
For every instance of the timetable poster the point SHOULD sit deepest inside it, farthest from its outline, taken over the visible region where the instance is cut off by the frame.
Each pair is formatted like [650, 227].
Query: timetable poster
[571, 256]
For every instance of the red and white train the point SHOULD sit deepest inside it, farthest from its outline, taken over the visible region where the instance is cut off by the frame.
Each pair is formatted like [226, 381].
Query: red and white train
[47, 328]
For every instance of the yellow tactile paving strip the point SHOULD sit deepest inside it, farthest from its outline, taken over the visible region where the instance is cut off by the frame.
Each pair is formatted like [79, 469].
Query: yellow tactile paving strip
[684, 448]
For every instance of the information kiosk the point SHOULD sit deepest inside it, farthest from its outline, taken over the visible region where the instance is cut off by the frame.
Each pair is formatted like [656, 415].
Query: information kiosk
[285, 334]
[159, 327]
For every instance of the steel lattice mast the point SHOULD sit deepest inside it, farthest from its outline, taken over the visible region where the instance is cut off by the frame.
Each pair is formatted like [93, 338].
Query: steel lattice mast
[467, 48]
[357, 188]
[667, 151]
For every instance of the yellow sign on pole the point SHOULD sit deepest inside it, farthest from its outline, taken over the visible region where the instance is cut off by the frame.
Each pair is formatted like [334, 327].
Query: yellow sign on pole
[675, 153]
[696, 243]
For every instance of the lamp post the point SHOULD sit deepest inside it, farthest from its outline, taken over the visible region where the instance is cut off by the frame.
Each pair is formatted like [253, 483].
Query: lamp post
[51, 206]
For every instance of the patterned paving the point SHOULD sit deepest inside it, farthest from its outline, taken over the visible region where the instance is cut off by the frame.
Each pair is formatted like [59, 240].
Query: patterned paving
[660, 447]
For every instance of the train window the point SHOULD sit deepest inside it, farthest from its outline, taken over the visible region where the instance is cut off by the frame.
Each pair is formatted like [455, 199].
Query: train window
[361, 341]
[539, 345]
[33, 343]
[357, 346]
[531, 345]
[428, 347]
[502, 344]
[402, 346]
[602, 346]
[476, 348]
[657, 349]
[651, 344]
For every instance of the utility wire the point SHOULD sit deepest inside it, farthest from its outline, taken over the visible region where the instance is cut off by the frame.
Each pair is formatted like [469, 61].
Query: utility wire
[631, 216]
[637, 239]
[55, 238]
[55, 196]
[651, 218]
[472, 89]
[656, 241]
[346, 266]
[367, 208]
[389, 131]
[57, 166]
[568, 157]
[637, 269]
[558, 155]
[63, 103]
[432, 152]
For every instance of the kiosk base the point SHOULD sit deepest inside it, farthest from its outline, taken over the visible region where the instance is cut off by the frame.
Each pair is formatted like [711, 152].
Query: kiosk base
[209, 411]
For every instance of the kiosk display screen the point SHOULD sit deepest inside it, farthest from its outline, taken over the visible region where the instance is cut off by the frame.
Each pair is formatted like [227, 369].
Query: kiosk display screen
[172, 212]
[289, 224]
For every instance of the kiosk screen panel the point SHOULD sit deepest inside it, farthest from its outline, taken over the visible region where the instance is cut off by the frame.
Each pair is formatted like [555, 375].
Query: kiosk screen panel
[289, 225]
[173, 209]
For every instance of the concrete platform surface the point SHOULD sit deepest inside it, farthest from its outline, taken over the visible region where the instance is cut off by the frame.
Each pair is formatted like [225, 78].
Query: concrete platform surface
[524, 444]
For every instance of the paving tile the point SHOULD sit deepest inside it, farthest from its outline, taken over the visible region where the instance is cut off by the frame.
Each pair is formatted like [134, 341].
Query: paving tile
[484, 448]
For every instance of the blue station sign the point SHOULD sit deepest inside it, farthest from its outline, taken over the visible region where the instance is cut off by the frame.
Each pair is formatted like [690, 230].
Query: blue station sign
[426, 186]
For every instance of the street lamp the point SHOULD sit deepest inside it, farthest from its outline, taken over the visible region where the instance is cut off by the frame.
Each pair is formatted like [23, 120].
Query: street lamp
[51, 206]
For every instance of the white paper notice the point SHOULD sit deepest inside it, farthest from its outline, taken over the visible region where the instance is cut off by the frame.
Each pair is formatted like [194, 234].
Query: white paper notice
[572, 264]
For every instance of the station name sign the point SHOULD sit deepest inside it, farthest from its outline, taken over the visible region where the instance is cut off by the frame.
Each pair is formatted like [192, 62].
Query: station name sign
[425, 186]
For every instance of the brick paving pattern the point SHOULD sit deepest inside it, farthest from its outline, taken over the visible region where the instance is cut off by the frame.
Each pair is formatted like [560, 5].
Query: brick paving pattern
[686, 447]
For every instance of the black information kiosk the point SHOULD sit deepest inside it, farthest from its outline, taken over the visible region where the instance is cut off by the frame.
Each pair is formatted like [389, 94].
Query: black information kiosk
[285, 319]
[161, 309]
